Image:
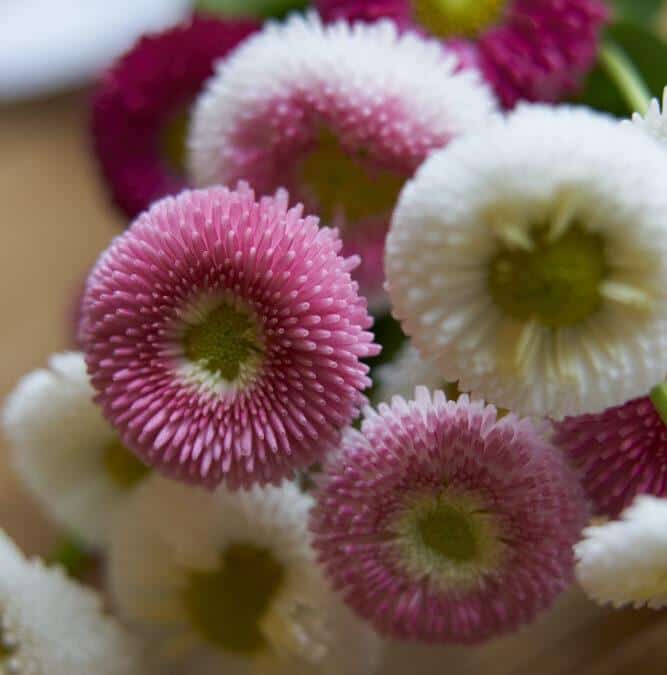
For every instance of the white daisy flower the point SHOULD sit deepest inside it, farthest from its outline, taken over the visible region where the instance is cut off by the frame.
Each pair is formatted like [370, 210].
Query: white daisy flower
[49, 625]
[625, 561]
[225, 582]
[654, 121]
[529, 261]
[66, 453]
[341, 115]
[406, 372]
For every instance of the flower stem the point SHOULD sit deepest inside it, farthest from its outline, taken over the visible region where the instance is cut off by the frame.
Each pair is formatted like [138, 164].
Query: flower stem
[626, 77]
[658, 397]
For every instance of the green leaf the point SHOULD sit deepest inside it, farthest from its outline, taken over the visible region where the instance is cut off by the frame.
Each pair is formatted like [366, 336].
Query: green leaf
[643, 12]
[648, 54]
[251, 8]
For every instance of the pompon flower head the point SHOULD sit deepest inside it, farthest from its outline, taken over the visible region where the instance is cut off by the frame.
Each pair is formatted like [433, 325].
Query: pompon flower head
[233, 579]
[654, 121]
[408, 371]
[65, 452]
[537, 50]
[537, 282]
[51, 625]
[625, 562]
[440, 523]
[621, 452]
[140, 108]
[224, 336]
[339, 115]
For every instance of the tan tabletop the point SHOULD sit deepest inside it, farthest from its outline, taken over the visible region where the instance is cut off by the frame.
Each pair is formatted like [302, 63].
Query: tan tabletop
[54, 220]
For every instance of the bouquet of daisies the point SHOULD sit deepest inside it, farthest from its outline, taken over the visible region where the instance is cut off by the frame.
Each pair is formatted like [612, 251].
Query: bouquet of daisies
[386, 329]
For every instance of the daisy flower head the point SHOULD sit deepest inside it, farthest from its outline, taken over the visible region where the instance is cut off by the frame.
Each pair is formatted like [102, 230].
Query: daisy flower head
[141, 106]
[233, 578]
[624, 562]
[654, 121]
[538, 282]
[341, 116]
[537, 50]
[620, 452]
[51, 625]
[65, 452]
[440, 523]
[224, 337]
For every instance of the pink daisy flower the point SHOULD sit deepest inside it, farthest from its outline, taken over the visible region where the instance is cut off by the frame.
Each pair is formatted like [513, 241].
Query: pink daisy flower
[224, 337]
[538, 50]
[341, 116]
[621, 452]
[140, 108]
[441, 523]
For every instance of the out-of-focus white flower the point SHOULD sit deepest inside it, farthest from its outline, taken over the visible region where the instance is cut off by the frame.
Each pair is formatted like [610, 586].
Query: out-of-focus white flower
[624, 562]
[529, 262]
[66, 453]
[49, 625]
[226, 582]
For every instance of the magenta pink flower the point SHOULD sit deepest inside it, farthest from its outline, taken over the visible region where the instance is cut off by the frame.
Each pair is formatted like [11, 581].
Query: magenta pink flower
[341, 117]
[621, 453]
[538, 50]
[441, 523]
[224, 337]
[139, 111]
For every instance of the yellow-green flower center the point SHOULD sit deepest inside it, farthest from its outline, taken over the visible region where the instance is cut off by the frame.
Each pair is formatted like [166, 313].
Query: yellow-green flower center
[123, 467]
[346, 184]
[556, 283]
[458, 18]
[449, 536]
[8, 646]
[226, 606]
[225, 341]
[174, 140]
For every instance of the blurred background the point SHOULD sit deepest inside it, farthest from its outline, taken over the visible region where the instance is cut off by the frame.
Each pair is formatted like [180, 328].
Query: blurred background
[55, 219]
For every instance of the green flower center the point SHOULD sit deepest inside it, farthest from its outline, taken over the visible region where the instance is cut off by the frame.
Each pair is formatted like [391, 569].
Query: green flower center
[458, 18]
[346, 184]
[123, 467]
[174, 140]
[449, 537]
[556, 283]
[448, 532]
[226, 341]
[226, 606]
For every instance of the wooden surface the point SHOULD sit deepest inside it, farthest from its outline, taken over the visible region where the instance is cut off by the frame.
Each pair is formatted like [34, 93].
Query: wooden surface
[54, 220]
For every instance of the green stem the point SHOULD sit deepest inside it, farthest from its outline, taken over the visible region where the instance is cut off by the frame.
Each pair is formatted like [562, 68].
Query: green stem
[626, 77]
[658, 397]
[70, 554]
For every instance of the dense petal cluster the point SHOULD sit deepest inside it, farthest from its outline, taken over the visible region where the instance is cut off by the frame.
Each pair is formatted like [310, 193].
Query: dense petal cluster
[141, 104]
[536, 50]
[537, 282]
[224, 337]
[341, 116]
[234, 580]
[65, 452]
[621, 453]
[50, 625]
[441, 523]
[624, 562]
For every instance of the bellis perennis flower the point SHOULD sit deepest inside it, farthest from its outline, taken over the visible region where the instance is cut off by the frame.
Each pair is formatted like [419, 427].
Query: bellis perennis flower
[51, 626]
[233, 580]
[441, 523]
[527, 49]
[625, 562]
[65, 452]
[538, 282]
[339, 115]
[141, 107]
[224, 337]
